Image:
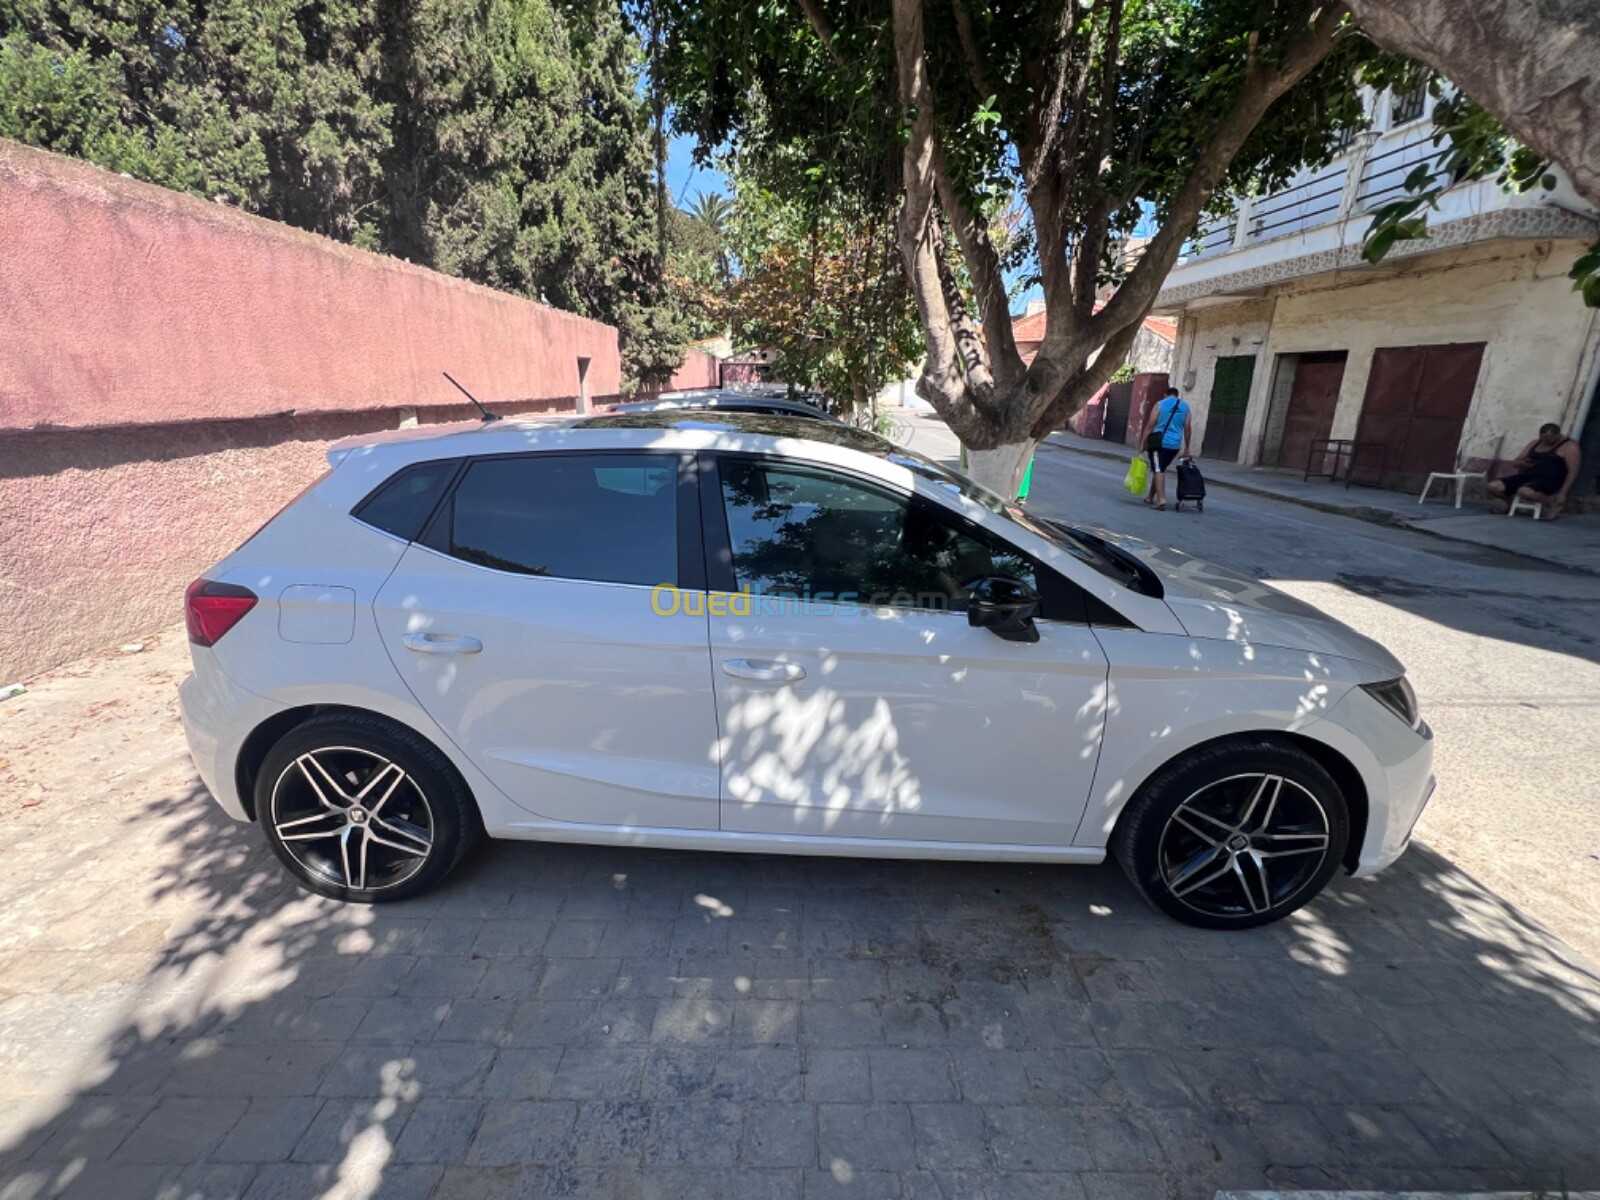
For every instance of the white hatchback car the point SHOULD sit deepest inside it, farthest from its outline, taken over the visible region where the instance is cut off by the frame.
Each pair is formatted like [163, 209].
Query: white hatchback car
[754, 633]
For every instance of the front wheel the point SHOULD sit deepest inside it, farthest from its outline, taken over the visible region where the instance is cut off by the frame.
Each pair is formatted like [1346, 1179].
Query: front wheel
[359, 808]
[1235, 835]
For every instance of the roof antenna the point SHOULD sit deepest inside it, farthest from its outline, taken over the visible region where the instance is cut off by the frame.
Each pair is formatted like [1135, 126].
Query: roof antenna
[487, 415]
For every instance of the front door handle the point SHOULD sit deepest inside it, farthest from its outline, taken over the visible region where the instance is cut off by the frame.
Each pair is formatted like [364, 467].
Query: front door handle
[441, 643]
[763, 670]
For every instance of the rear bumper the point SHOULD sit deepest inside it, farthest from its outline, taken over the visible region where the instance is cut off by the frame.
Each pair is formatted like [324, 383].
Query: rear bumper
[218, 714]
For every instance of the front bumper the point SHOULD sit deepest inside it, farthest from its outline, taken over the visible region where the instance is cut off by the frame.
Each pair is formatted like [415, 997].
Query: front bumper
[1386, 853]
[1396, 764]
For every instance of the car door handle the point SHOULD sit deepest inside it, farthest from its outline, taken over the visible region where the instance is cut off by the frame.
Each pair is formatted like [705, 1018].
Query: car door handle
[763, 670]
[441, 643]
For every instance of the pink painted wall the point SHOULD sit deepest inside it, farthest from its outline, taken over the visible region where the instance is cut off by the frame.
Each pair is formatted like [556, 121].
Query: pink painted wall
[1090, 420]
[125, 303]
[699, 370]
[1147, 390]
[171, 372]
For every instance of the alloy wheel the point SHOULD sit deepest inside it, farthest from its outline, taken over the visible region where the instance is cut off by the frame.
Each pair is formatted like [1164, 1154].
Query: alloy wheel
[1243, 845]
[353, 818]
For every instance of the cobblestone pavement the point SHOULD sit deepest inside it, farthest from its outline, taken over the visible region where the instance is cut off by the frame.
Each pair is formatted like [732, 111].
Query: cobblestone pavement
[177, 1022]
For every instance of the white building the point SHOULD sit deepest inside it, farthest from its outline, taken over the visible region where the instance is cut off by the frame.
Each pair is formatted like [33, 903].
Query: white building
[1456, 347]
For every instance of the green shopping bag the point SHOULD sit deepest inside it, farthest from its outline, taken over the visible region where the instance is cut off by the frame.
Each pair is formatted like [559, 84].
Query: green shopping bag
[1138, 477]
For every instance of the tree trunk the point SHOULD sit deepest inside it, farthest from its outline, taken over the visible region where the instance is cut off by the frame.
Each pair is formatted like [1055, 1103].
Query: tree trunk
[1532, 63]
[1001, 469]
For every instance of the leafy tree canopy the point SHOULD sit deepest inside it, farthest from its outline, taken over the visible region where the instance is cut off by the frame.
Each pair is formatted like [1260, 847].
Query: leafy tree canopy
[505, 141]
[1085, 110]
[824, 288]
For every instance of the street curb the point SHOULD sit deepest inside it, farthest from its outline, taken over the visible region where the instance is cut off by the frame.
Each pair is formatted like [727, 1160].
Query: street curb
[1398, 1195]
[1362, 512]
[1359, 512]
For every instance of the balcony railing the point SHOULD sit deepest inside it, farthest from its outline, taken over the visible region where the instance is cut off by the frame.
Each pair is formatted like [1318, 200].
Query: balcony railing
[1326, 196]
[1383, 175]
[1314, 202]
[1214, 237]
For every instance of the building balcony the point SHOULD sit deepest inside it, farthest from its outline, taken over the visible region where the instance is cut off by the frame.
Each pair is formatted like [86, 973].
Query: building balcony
[1317, 223]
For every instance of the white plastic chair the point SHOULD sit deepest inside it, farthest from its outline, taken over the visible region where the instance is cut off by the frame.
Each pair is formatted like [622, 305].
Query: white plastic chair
[1460, 478]
[1518, 504]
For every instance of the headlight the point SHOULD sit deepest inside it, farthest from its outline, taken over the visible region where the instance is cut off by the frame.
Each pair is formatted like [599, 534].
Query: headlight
[1397, 696]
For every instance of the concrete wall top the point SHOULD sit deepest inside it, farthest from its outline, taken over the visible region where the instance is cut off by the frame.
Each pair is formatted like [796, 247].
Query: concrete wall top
[123, 303]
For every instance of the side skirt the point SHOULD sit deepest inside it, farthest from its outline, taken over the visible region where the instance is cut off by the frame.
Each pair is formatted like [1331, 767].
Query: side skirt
[761, 843]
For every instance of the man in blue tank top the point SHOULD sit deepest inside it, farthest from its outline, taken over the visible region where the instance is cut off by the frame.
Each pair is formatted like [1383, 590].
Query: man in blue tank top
[1166, 432]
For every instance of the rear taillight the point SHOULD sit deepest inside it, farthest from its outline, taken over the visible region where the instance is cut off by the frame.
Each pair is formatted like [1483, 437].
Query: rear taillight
[211, 609]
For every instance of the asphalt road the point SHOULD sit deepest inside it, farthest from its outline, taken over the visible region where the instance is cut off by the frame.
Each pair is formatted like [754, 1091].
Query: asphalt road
[1504, 653]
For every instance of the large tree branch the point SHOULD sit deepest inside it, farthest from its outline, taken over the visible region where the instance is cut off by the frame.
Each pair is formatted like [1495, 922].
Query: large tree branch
[988, 279]
[1532, 63]
[823, 29]
[977, 71]
[1044, 153]
[1263, 83]
[943, 382]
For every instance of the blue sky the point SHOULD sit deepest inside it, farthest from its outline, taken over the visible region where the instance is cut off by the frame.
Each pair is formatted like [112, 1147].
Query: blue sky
[684, 179]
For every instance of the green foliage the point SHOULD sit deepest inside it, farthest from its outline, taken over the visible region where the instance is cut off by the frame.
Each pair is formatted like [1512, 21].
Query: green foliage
[504, 141]
[1473, 145]
[755, 75]
[824, 289]
[1123, 374]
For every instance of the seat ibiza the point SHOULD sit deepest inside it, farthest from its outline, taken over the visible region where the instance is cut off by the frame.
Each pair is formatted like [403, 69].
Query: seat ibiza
[729, 632]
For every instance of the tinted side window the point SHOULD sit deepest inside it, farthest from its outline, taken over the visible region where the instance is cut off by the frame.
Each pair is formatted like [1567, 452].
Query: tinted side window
[808, 532]
[403, 502]
[610, 517]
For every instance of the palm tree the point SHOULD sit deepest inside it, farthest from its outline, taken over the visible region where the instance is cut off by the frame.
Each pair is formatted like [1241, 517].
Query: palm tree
[714, 211]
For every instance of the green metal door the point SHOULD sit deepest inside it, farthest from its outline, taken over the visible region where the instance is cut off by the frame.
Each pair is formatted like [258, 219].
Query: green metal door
[1230, 396]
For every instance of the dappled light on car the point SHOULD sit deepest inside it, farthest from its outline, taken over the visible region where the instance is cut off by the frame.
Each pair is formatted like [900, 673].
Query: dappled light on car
[802, 751]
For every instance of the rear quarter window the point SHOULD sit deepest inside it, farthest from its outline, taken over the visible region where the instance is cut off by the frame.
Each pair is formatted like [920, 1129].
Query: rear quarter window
[402, 502]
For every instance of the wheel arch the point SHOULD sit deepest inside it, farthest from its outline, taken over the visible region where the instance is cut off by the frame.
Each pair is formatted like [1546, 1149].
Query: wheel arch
[1344, 772]
[259, 742]
[1350, 783]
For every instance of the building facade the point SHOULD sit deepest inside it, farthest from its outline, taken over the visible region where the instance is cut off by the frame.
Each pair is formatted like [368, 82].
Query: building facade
[1449, 353]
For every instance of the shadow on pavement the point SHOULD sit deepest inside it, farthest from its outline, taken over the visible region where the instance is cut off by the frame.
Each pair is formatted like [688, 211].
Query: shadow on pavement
[572, 1021]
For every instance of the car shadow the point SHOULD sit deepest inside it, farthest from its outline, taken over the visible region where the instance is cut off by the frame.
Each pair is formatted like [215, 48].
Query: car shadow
[569, 1020]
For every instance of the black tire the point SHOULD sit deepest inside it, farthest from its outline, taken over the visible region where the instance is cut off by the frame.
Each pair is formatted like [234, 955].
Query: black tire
[1193, 867]
[428, 805]
[1200, 504]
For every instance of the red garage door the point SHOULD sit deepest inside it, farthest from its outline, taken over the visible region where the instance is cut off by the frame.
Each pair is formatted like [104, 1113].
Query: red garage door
[1312, 399]
[1417, 401]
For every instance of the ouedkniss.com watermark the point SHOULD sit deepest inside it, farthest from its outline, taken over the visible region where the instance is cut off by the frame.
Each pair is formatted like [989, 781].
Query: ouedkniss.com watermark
[668, 600]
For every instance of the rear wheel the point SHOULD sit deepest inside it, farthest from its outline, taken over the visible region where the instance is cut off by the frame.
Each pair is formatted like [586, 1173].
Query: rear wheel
[360, 808]
[1234, 835]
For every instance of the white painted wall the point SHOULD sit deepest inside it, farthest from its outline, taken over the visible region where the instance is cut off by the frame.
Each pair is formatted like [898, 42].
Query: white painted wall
[1514, 296]
[1209, 333]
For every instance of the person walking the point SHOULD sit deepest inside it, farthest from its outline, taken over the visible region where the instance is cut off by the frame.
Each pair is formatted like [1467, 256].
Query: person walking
[1166, 432]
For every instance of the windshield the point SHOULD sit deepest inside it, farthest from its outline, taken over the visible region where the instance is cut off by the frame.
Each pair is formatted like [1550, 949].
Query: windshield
[1086, 548]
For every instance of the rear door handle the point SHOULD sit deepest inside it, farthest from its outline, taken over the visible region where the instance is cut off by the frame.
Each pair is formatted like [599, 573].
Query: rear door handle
[441, 643]
[763, 670]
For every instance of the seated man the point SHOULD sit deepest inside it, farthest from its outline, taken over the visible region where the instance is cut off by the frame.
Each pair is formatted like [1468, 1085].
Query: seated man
[1545, 470]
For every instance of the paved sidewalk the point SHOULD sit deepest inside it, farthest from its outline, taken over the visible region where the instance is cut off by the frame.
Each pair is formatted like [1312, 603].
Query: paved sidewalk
[1572, 542]
[178, 1023]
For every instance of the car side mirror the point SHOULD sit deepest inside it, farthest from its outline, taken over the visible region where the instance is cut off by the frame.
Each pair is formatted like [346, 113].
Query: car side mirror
[1005, 607]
